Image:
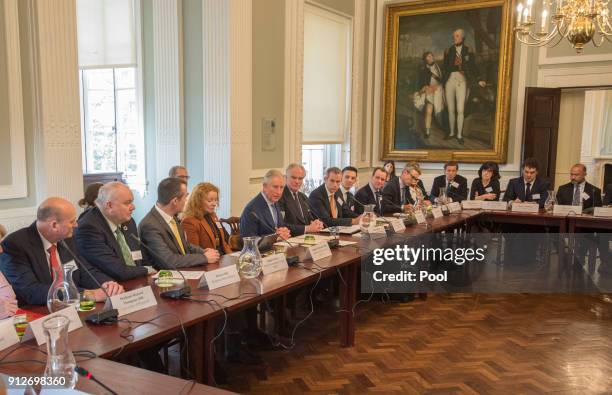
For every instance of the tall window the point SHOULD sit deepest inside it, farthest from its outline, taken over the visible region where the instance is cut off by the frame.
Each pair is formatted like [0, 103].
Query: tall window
[111, 97]
[327, 76]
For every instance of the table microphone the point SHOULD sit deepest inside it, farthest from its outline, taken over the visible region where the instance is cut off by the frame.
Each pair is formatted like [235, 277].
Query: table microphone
[179, 293]
[291, 260]
[108, 315]
[85, 373]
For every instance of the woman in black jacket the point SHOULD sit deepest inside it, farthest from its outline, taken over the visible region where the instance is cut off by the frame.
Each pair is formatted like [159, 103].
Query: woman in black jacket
[486, 186]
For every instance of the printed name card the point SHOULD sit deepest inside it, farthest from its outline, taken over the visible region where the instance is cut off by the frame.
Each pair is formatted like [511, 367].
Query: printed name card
[437, 212]
[603, 212]
[8, 334]
[134, 300]
[565, 210]
[318, 251]
[495, 205]
[274, 263]
[532, 208]
[221, 277]
[397, 224]
[472, 204]
[36, 326]
[420, 218]
[454, 207]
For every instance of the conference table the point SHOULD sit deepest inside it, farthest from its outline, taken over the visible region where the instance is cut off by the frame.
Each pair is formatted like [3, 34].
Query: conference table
[201, 317]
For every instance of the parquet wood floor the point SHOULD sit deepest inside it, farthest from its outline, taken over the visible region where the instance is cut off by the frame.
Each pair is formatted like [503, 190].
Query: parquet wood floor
[449, 344]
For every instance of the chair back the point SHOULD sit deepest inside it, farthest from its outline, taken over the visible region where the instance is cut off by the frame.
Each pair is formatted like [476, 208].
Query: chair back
[235, 239]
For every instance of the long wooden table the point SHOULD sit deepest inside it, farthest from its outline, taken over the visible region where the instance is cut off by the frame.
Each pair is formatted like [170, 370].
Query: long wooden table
[200, 320]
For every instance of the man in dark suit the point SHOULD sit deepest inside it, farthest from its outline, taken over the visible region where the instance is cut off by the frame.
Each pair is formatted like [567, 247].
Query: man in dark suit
[34, 255]
[326, 201]
[402, 194]
[578, 192]
[294, 204]
[263, 215]
[607, 200]
[453, 184]
[529, 187]
[372, 192]
[161, 231]
[460, 72]
[103, 236]
[349, 178]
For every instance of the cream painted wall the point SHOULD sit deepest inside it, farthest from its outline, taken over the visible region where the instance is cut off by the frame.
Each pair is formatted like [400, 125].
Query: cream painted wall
[5, 149]
[570, 134]
[345, 6]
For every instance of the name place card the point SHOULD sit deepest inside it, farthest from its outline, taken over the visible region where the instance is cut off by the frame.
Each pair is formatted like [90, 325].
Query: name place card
[603, 212]
[318, 251]
[397, 224]
[420, 218]
[472, 204]
[532, 208]
[274, 263]
[495, 205]
[454, 207]
[36, 326]
[221, 277]
[565, 210]
[8, 334]
[437, 212]
[134, 300]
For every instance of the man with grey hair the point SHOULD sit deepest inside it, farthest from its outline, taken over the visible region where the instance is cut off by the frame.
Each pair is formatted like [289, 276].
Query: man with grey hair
[34, 256]
[262, 215]
[179, 171]
[406, 192]
[460, 72]
[294, 204]
[104, 236]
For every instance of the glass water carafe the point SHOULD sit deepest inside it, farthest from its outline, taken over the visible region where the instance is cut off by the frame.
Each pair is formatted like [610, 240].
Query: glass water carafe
[442, 198]
[368, 218]
[550, 202]
[63, 292]
[59, 370]
[249, 261]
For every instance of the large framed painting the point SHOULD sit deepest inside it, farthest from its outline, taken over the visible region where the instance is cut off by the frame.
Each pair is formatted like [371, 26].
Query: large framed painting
[447, 80]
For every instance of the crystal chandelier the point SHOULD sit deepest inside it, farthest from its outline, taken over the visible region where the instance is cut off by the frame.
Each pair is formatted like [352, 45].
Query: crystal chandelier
[579, 21]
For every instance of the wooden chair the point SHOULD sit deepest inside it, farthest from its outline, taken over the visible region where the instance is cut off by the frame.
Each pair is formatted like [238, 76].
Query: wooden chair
[235, 240]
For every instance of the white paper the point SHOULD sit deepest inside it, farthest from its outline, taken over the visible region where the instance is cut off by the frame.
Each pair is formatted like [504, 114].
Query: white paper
[535, 196]
[8, 334]
[137, 255]
[472, 204]
[274, 263]
[454, 207]
[135, 300]
[437, 212]
[344, 243]
[495, 205]
[565, 210]
[525, 208]
[36, 326]
[603, 212]
[345, 230]
[189, 274]
[318, 251]
[221, 277]
[419, 217]
[397, 224]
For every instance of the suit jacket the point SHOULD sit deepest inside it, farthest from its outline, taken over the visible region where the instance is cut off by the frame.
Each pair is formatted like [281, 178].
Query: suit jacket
[200, 233]
[424, 76]
[516, 190]
[607, 195]
[392, 197]
[458, 194]
[366, 196]
[261, 223]
[156, 234]
[565, 195]
[24, 264]
[98, 245]
[319, 202]
[478, 187]
[295, 219]
[467, 67]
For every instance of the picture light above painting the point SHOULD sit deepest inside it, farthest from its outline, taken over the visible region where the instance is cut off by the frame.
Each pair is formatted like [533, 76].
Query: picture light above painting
[447, 81]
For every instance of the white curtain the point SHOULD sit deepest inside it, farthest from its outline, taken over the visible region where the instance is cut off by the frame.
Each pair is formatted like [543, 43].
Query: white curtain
[326, 76]
[106, 33]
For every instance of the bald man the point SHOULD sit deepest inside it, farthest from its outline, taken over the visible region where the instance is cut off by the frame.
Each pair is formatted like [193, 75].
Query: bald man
[104, 236]
[578, 192]
[31, 254]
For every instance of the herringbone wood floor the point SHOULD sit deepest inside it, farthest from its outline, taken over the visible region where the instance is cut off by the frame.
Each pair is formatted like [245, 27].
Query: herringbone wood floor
[498, 344]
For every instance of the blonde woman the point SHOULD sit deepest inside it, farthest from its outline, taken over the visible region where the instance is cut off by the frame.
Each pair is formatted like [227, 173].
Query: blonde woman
[201, 223]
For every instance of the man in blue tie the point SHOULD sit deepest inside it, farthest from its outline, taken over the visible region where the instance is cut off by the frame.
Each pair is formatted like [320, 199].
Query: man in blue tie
[262, 215]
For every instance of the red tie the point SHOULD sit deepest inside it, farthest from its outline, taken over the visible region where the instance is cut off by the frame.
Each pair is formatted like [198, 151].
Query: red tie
[55, 265]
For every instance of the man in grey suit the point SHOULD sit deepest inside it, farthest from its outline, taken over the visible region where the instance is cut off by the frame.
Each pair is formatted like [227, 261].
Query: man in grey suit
[163, 234]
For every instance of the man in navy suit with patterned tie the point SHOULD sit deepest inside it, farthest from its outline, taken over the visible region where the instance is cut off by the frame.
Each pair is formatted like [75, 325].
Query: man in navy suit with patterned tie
[262, 215]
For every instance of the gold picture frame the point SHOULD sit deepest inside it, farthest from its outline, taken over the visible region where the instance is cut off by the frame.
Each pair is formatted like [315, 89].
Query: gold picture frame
[404, 131]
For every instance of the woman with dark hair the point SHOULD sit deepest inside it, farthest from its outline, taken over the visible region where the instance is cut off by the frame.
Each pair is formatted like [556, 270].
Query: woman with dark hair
[486, 186]
[89, 200]
[389, 167]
